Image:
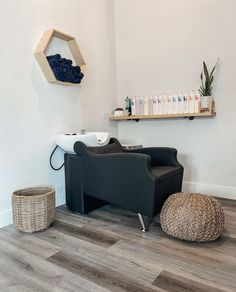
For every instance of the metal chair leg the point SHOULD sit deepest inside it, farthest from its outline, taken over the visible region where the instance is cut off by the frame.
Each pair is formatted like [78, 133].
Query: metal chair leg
[144, 229]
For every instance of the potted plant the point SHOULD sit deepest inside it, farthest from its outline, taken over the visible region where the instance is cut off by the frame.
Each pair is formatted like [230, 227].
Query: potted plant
[206, 87]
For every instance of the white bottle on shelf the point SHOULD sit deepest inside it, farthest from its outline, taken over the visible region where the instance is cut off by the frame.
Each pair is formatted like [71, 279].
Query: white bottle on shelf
[169, 104]
[146, 105]
[164, 104]
[159, 105]
[133, 106]
[155, 105]
[137, 105]
[180, 103]
[141, 106]
[191, 103]
[197, 102]
[150, 105]
[174, 103]
[185, 102]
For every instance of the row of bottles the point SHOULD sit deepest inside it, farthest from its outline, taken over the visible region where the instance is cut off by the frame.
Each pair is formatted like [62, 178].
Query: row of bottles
[164, 103]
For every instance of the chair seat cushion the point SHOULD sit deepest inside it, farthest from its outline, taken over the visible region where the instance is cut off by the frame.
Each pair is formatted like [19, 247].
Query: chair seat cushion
[164, 172]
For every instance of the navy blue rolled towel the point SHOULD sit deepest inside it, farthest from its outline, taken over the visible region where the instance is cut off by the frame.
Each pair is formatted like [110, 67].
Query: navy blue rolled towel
[59, 74]
[54, 60]
[66, 61]
[64, 70]
[54, 63]
[77, 68]
[55, 57]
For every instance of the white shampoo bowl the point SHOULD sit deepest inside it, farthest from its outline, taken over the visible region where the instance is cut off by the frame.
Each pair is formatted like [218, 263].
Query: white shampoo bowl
[92, 139]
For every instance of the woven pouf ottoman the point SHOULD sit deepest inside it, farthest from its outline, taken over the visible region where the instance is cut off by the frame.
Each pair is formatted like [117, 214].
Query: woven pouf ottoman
[192, 217]
[33, 208]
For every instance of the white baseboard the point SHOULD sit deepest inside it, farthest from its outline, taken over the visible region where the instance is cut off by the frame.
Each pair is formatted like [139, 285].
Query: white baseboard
[60, 200]
[212, 190]
[6, 218]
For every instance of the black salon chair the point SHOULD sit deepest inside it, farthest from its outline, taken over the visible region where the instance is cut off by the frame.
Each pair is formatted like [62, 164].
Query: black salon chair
[139, 180]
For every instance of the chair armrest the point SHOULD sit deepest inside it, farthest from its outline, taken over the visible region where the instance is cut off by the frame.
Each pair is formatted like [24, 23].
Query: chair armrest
[123, 179]
[162, 156]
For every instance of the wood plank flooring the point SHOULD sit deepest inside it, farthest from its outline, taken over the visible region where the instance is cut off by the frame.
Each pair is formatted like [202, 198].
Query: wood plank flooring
[106, 251]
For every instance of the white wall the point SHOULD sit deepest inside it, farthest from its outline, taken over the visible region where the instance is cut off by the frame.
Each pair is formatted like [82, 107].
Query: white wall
[160, 45]
[32, 111]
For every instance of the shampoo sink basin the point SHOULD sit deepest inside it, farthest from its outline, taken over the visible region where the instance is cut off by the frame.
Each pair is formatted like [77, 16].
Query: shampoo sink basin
[92, 139]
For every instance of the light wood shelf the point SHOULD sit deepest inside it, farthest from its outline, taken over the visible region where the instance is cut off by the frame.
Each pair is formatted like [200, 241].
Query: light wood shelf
[165, 116]
[42, 58]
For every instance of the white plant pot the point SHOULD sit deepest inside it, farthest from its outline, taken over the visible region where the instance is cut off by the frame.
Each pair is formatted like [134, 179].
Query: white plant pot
[206, 103]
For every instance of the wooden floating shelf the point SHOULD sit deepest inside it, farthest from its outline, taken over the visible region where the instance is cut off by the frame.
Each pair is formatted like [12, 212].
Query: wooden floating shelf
[165, 116]
[41, 57]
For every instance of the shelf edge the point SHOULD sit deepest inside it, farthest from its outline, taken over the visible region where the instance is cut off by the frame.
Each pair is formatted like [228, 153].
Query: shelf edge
[165, 116]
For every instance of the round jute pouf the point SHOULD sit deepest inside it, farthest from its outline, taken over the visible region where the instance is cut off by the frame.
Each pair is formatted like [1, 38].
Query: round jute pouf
[33, 208]
[192, 217]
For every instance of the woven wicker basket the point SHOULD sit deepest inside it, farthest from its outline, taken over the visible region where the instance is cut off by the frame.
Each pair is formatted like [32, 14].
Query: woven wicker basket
[33, 208]
[193, 217]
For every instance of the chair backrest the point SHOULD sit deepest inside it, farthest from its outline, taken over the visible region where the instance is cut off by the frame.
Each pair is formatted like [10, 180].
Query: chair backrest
[113, 147]
[107, 149]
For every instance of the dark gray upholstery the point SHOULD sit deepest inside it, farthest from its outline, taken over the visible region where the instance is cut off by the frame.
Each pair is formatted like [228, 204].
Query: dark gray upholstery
[139, 180]
[164, 172]
[110, 148]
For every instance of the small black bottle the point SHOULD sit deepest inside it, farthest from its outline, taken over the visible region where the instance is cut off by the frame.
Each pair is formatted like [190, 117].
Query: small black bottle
[128, 105]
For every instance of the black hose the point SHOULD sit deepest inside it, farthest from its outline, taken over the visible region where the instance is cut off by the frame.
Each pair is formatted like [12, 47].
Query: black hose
[50, 161]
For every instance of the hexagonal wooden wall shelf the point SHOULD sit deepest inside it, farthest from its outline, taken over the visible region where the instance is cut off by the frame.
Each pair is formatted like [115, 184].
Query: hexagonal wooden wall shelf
[42, 58]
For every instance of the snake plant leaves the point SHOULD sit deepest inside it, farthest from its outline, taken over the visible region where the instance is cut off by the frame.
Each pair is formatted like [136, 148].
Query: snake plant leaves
[206, 71]
[207, 79]
[212, 72]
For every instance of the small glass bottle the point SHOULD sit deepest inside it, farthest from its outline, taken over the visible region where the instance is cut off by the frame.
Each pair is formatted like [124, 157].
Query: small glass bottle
[128, 106]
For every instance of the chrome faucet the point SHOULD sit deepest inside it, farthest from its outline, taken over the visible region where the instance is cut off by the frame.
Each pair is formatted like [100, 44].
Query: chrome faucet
[82, 132]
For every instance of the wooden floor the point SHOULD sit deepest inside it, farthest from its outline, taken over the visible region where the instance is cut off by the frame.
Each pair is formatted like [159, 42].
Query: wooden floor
[106, 251]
